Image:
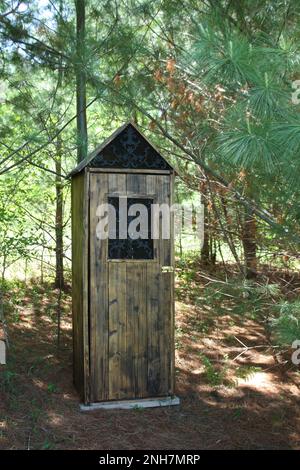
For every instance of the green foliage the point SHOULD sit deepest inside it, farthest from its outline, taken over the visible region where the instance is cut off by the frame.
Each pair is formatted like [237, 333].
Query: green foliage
[52, 388]
[48, 445]
[8, 382]
[203, 326]
[241, 299]
[179, 333]
[214, 376]
[286, 327]
[216, 76]
[246, 372]
[224, 57]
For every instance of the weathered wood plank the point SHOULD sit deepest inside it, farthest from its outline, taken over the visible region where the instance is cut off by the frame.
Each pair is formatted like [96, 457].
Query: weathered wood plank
[137, 305]
[141, 333]
[172, 287]
[98, 294]
[164, 324]
[117, 314]
[153, 312]
[136, 183]
[77, 195]
[85, 293]
[116, 183]
[136, 330]
[117, 330]
[131, 325]
[130, 170]
[153, 309]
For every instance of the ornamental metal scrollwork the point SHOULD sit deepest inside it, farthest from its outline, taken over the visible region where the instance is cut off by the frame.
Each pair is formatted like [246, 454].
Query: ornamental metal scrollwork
[141, 248]
[129, 150]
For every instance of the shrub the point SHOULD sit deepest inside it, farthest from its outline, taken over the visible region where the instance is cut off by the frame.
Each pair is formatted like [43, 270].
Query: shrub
[286, 327]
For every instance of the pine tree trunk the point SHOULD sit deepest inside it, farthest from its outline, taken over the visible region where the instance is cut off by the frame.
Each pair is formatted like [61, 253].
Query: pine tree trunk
[42, 266]
[81, 81]
[205, 250]
[59, 245]
[59, 235]
[3, 268]
[249, 236]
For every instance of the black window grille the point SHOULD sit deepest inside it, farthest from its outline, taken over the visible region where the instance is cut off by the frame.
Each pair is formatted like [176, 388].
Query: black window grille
[131, 248]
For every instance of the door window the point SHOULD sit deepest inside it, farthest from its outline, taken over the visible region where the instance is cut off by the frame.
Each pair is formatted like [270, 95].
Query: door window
[131, 237]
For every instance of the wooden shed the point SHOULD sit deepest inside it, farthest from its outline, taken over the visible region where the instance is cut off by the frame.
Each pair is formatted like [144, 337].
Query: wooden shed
[123, 303]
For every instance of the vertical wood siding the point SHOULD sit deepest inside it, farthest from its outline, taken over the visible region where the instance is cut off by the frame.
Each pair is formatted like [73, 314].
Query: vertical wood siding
[130, 304]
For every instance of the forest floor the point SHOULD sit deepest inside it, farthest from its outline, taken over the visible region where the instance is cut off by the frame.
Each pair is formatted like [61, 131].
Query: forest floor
[236, 390]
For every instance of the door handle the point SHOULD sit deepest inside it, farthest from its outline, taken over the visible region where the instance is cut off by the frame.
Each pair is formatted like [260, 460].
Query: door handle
[167, 269]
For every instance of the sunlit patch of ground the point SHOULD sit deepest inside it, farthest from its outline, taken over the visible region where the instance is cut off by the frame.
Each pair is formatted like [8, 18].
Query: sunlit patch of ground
[234, 392]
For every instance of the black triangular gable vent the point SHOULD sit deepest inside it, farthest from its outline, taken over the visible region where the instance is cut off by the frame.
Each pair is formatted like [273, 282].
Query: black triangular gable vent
[126, 148]
[129, 149]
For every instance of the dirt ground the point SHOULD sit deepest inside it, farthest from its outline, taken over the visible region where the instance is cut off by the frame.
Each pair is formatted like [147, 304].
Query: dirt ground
[232, 397]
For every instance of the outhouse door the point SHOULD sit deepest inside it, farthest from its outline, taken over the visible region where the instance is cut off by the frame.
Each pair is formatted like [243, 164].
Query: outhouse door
[130, 295]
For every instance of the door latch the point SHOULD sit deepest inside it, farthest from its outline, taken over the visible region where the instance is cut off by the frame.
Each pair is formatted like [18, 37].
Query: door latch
[167, 269]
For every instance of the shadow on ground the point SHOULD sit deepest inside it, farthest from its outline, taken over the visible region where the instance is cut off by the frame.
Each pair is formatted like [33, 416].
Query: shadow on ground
[39, 406]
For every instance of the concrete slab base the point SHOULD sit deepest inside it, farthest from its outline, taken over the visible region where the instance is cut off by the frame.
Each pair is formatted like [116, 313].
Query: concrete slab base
[131, 404]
